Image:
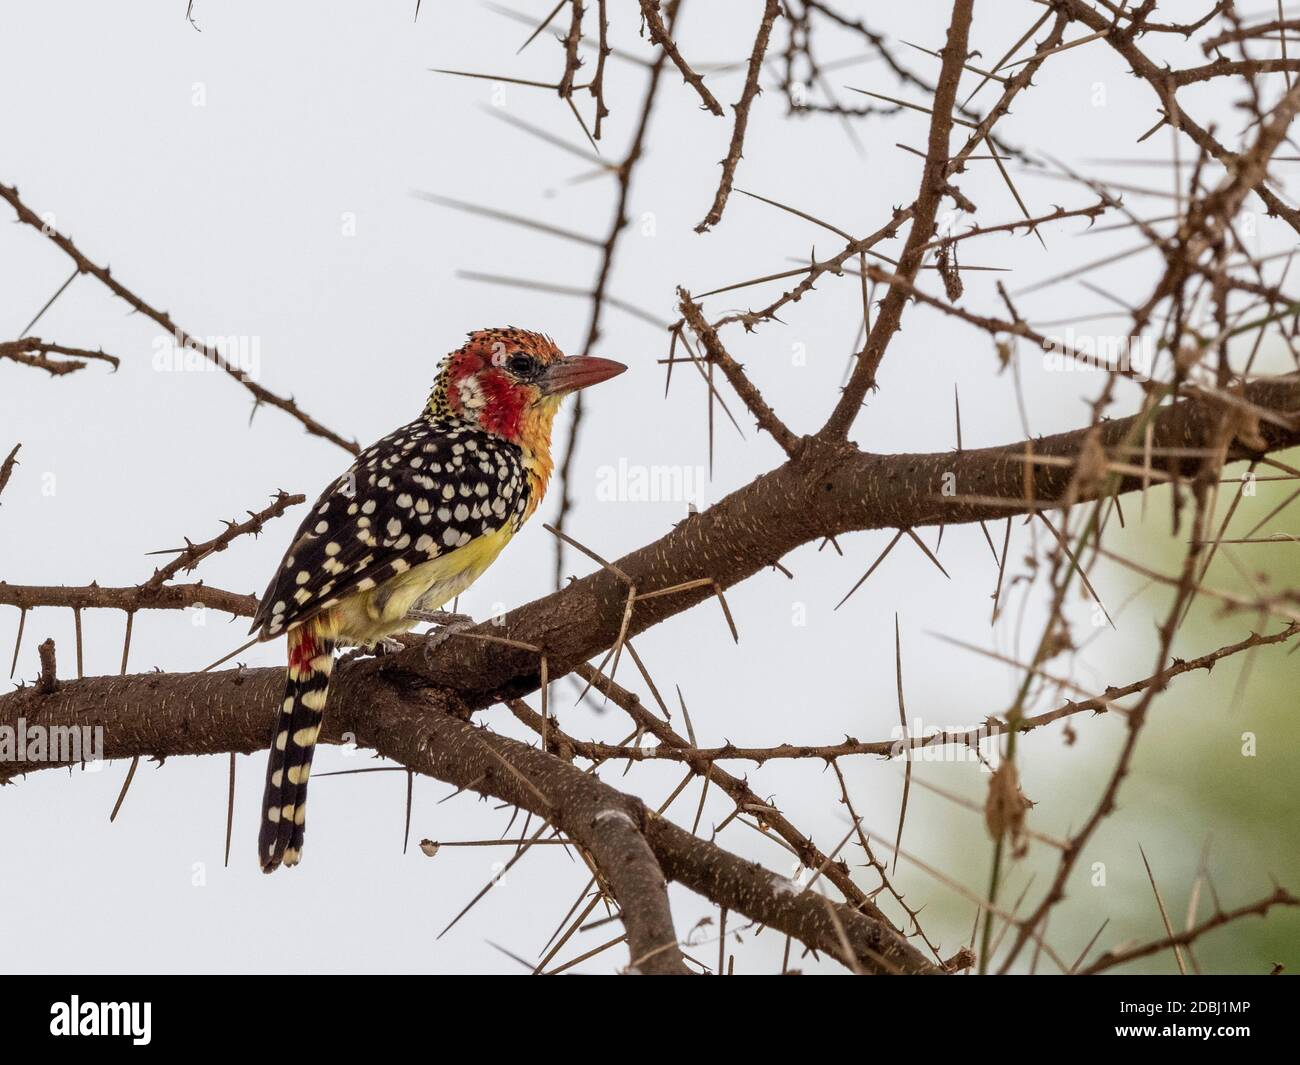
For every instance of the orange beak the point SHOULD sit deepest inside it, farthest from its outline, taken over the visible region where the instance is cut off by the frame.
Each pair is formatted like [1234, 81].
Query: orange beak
[578, 371]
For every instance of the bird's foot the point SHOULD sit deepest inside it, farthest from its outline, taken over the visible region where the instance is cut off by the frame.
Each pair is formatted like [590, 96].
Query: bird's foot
[386, 645]
[438, 617]
[448, 625]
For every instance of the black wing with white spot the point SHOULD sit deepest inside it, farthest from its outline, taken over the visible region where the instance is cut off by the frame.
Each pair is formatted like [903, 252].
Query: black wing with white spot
[424, 490]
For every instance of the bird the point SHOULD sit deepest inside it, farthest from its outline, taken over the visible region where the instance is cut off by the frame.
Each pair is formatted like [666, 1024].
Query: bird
[408, 527]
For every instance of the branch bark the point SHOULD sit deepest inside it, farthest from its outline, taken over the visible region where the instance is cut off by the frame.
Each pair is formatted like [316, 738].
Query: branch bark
[659, 34]
[105, 276]
[933, 184]
[771, 9]
[172, 714]
[831, 488]
[411, 706]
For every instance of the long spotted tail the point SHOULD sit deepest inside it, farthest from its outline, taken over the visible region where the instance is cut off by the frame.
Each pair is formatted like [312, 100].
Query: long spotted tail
[311, 661]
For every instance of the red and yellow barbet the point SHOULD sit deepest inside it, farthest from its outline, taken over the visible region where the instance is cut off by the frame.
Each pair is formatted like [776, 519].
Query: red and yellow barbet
[412, 524]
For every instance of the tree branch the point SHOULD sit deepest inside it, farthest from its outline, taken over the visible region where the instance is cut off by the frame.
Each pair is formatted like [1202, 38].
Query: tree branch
[172, 714]
[261, 395]
[659, 34]
[771, 9]
[745, 388]
[933, 183]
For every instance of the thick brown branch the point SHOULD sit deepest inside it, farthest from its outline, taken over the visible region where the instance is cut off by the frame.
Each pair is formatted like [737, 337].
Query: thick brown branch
[608, 824]
[204, 713]
[831, 488]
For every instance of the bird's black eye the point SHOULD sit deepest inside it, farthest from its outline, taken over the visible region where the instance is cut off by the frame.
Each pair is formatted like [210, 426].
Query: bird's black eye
[522, 366]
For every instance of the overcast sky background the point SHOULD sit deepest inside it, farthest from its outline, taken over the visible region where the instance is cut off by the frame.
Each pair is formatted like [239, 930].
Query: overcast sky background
[218, 171]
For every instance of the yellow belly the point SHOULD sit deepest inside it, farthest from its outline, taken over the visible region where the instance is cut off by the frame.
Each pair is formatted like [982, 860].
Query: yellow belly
[370, 616]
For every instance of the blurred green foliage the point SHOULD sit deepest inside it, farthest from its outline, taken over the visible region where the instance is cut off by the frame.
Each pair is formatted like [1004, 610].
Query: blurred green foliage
[1214, 785]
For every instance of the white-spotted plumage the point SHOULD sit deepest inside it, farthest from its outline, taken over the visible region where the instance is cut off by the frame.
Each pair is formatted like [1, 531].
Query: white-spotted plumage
[430, 488]
[413, 523]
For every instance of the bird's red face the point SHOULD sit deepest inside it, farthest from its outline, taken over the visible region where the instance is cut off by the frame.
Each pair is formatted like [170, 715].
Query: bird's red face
[510, 382]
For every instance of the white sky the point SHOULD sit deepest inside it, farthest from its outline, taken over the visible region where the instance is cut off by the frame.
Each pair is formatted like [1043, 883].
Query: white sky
[230, 216]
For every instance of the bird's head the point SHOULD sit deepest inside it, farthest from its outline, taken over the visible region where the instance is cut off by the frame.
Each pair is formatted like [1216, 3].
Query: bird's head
[510, 382]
